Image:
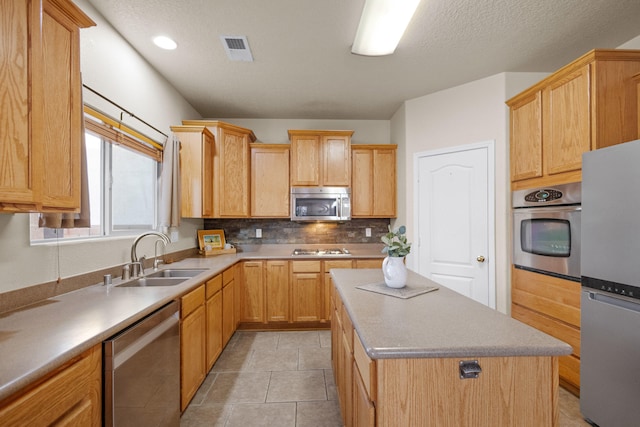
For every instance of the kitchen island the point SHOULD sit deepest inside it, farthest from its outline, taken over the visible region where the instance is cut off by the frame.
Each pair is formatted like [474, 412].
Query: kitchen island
[438, 358]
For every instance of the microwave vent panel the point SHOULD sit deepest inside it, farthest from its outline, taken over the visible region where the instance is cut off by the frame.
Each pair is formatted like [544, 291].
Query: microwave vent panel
[237, 48]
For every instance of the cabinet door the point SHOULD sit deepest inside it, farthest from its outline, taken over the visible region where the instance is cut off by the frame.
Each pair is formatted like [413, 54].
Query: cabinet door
[270, 181]
[336, 161]
[277, 290]
[193, 365]
[252, 293]
[196, 171]
[305, 160]
[328, 284]
[384, 183]
[307, 296]
[347, 381]
[364, 413]
[362, 182]
[233, 175]
[228, 311]
[567, 122]
[526, 138]
[214, 328]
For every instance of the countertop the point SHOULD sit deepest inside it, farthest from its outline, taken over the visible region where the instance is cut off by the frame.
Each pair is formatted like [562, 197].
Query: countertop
[441, 323]
[37, 339]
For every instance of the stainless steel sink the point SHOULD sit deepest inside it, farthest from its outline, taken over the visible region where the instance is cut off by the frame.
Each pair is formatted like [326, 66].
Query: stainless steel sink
[177, 272]
[144, 282]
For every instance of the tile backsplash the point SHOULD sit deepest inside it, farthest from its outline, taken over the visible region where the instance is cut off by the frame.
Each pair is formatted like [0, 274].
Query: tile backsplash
[284, 231]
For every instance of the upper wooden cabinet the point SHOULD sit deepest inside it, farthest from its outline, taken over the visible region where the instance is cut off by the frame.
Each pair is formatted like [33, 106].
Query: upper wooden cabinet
[41, 103]
[270, 181]
[589, 104]
[196, 170]
[373, 181]
[231, 167]
[320, 158]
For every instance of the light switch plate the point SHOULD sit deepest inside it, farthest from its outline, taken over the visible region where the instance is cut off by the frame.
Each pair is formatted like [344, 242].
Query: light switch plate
[258, 233]
[367, 232]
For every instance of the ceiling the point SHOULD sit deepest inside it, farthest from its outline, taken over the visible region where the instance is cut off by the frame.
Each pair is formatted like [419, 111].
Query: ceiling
[303, 67]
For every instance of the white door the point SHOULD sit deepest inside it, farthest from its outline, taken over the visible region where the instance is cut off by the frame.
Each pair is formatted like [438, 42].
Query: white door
[454, 218]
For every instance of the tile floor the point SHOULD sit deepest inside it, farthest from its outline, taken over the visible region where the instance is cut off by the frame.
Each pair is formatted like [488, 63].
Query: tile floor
[285, 379]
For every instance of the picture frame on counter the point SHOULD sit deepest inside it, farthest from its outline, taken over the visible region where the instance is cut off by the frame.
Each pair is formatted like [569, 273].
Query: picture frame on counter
[211, 239]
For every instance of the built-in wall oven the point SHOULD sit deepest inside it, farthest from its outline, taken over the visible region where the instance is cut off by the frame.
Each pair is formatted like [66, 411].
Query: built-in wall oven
[546, 230]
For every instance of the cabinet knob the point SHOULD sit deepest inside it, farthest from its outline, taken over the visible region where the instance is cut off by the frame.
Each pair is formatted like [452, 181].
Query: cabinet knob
[480, 258]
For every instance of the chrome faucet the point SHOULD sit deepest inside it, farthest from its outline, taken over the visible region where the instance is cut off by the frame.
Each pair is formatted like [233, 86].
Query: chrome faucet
[134, 247]
[156, 260]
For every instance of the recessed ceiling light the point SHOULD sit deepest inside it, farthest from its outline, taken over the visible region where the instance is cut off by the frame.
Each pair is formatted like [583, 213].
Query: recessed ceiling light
[165, 42]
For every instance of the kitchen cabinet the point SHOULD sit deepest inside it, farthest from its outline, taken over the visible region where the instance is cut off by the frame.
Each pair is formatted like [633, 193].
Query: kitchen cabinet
[229, 321]
[196, 171]
[373, 181]
[590, 103]
[364, 377]
[70, 395]
[41, 103]
[270, 191]
[213, 308]
[193, 329]
[320, 158]
[231, 167]
[328, 283]
[551, 305]
[307, 293]
[277, 290]
[252, 293]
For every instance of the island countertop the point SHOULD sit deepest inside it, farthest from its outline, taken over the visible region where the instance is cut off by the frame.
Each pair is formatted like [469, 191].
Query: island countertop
[441, 323]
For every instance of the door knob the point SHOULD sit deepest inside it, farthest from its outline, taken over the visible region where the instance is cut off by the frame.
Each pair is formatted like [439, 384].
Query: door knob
[480, 258]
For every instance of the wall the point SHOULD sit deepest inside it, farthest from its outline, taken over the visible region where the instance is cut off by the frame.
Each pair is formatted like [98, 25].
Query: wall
[462, 115]
[110, 66]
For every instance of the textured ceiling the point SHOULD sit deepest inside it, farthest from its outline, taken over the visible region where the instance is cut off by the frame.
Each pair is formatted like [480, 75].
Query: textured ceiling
[303, 67]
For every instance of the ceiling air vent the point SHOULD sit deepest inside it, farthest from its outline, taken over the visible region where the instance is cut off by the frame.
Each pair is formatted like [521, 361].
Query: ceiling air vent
[237, 48]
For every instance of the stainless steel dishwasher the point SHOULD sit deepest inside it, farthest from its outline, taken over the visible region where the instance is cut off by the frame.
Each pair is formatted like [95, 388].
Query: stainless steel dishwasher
[142, 372]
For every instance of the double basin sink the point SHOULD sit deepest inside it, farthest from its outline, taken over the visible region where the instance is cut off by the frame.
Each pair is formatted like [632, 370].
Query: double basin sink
[168, 277]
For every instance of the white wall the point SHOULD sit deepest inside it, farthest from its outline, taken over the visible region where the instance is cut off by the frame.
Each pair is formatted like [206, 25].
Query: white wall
[110, 66]
[462, 115]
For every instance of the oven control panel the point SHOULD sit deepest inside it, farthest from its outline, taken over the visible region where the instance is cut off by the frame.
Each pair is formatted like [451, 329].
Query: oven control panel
[546, 195]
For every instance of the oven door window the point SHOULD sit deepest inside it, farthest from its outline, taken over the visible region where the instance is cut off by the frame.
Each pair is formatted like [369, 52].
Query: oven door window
[545, 236]
[321, 207]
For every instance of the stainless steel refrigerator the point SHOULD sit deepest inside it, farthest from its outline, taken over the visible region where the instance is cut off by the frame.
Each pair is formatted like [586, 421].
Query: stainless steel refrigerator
[610, 270]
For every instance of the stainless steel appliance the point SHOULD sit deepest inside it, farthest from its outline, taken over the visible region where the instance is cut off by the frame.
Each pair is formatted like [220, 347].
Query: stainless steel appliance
[320, 204]
[142, 372]
[321, 252]
[546, 230]
[610, 311]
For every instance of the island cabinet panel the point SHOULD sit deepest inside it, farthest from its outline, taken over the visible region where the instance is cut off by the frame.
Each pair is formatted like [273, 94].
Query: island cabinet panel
[277, 291]
[41, 102]
[252, 293]
[307, 292]
[590, 103]
[328, 284]
[71, 395]
[503, 394]
[196, 171]
[551, 305]
[270, 191]
[320, 158]
[374, 181]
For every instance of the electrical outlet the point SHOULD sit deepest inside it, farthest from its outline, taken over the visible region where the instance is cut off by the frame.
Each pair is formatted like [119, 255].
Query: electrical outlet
[367, 232]
[258, 233]
[174, 236]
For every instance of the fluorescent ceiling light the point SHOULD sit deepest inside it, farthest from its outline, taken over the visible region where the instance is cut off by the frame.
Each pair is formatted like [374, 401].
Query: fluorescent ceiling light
[165, 42]
[382, 25]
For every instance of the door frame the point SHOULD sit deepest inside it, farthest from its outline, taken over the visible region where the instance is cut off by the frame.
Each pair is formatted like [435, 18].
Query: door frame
[489, 145]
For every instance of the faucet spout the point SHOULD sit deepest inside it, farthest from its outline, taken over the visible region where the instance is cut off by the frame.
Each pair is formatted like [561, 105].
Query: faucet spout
[134, 246]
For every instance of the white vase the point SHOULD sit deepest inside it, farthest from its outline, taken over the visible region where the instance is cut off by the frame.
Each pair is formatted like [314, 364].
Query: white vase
[395, 272]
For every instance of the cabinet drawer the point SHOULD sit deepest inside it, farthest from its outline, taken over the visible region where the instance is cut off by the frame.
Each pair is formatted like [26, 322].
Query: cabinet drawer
[328, 265]
[369, 263]
[564, 332]
[366, 367]
[213, 286]
[228, 275]
[347, 327]
[305, 266]
[569, 370]
[192, 300]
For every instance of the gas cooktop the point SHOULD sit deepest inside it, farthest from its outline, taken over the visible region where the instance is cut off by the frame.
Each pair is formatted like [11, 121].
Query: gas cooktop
[322, 252]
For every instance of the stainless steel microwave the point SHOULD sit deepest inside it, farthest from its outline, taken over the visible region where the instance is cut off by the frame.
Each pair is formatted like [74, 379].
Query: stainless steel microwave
[320, 204]
[546, 230]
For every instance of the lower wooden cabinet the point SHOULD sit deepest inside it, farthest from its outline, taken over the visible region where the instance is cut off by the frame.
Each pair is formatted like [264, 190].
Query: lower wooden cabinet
[252, 307]
[277, 291]
[193, 329]
[213, 309]
[229, 321]
[551, 305]
[71, 395]
[307, 293]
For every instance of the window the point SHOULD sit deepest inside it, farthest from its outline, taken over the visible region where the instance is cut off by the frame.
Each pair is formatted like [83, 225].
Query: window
[123, 191]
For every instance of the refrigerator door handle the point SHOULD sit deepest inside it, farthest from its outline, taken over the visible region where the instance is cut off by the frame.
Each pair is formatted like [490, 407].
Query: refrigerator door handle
[613, 301]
